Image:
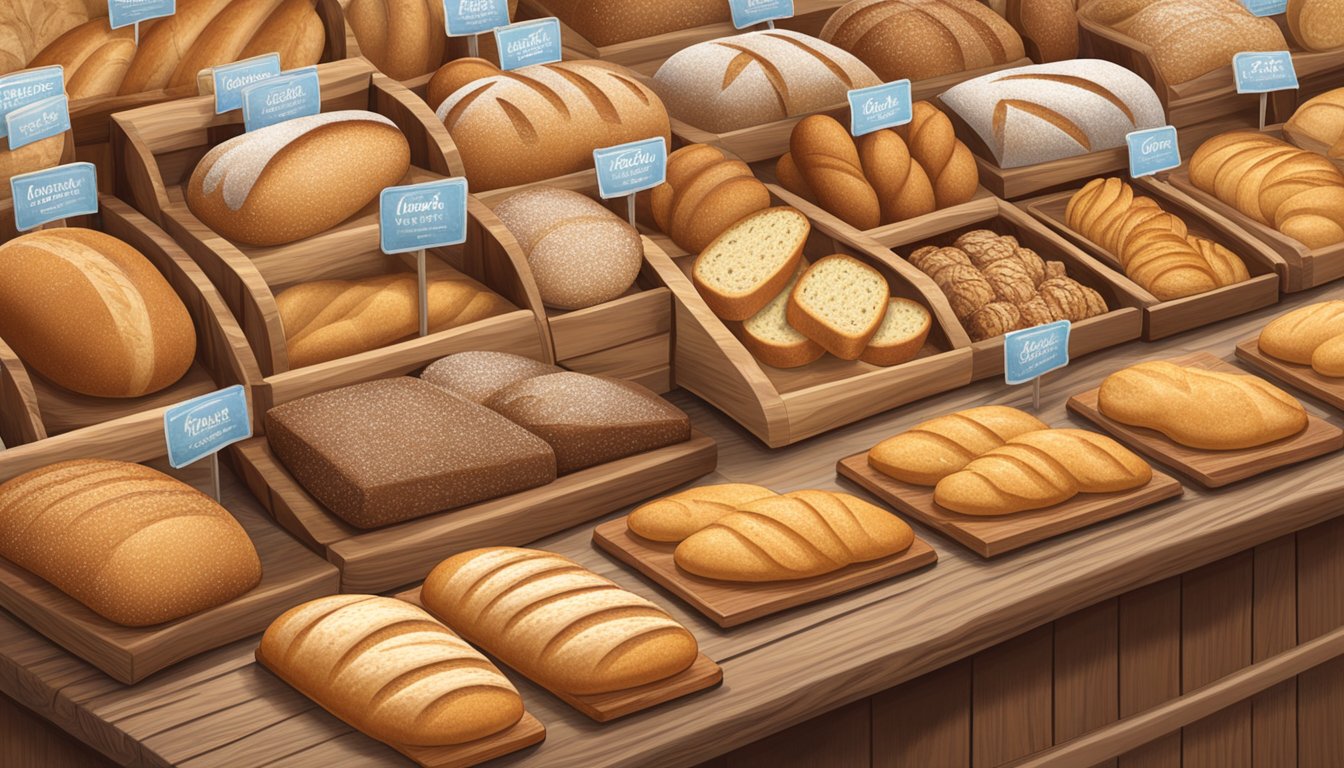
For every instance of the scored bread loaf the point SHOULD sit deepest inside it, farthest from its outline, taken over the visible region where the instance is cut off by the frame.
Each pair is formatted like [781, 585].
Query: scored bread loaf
[28, 158]
[92, 314]
[1317, 25]
[1049, 28]
[402, 38]
[901, 182]
[1209, 410]
[828, 161]
[704, 194]
[330, 319]
[901, 334]
[298, 178]
[755, 78]
[934, 449]
[839, 302]
[770, 338]
[1320, 121]
[94, 56]
[131, 543]
[795, 536]
[478, 375]
[1308, 335]
[751, 262]
[556, 622]
[673, 518]
[390, 670]
[608, 22]
[1044, 112]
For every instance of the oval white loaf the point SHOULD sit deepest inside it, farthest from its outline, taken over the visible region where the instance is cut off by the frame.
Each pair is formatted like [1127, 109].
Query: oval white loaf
[295, 179]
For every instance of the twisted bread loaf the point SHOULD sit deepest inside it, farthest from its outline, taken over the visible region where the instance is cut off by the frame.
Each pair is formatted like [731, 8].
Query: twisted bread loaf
[947, 161]
[1311, 335]
[829, 162]
[673, 518]
[704, 194]
[934, 449]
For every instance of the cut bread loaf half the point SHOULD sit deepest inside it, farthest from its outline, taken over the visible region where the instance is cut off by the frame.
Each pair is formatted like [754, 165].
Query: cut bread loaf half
[751, 262]
[769, 337]
[901, 335]
[839, 302]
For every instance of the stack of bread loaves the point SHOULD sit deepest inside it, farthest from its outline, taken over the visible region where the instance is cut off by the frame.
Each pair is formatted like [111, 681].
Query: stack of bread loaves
[1311, 335]
[996, 285]
[884, 176]
[1299, 193]
[751, 534]
[1320, 123]
[995, 460]
[704, 194]
[1317, 25]
[1152, 246]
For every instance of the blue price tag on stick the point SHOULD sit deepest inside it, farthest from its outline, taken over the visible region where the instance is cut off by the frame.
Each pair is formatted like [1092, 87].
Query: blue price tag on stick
[629, 168]
[473, 17]
[1153, 150]
[231, 79]
[206, 425]
[1264, 72]
[419, 216]
[747, 13]
[52, 194]
[285, 97]
[529, 42]
[37, 121]
[1266, 7]
[123, 13]
[1030, 354]
[28, 87]
[881, 106]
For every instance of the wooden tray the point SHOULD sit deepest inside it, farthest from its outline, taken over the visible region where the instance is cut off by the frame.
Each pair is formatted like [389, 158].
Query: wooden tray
[730, 604]
[1123, 323]
[993, 536]
[605, 707]
[1303, 377]
[1165, 318]
[1214, 469]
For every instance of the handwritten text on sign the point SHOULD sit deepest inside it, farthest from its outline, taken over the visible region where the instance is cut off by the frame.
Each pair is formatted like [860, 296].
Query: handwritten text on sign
[881, 106]
[1035, 352]
[629, 168]
[1153, 150]
[472, 17]
[231, 79]
[205, 425]
[54, 193]
[277, 99]
[1264, 72]
[124, 13]
[749, 12]
[37, 121]
[528, 42]
[28, 87]
[419, 216]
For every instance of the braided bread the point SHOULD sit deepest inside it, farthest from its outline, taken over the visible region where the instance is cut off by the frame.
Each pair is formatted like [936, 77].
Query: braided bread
[930, 451]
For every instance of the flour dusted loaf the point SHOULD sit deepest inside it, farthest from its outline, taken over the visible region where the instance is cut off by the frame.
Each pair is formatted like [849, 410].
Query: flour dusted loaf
[1311, 335]
[390, 670]
[751, 262]
[298, 178]
[758, 77]
[673, 518]
[1044, 112]
[608, 22]
[839, 302]
[1209, 410]
[392, 450]
[92, 314]
[478, 376]
[131, 543]
[556, 622]
[704, 194]
[934, 449]
[1317, 25]
[1321, 121]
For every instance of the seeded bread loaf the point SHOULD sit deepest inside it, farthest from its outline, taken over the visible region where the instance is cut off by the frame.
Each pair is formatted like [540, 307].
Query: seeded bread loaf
[1321, 121]
[901, 335]
[1311, 335]
[94, 56]
[478, 376]
[28, 158]
[934, 449]
[751, 262]
[922, 39]
[609, 22]
[770, 338]
[556, 622]
[1317, 25]
[704, 194]
[839, 302]
[673, 518]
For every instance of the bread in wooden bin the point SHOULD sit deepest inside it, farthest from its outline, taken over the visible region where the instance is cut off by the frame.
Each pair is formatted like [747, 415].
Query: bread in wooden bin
[994, 319]
[1317, 25]
[27, 26]
[934, 449]
[922, 39]
[299, 178]
[390, 670]
[556, 622]
[392, 450]
[901, 336]
[134, 545]
[610, 22]
[479, 375]
[44, 153]
[94, 56]
[402, 38]
[825, 154]
[673, 518]
[839, 302]
[1321, 120]
[92, 314]
[1049, 28]
[751, 262]
[947, 162]
[795, 536]
[770, 338]
[1308, 335]
[1210, 410]
[966, 288]
[704, 194]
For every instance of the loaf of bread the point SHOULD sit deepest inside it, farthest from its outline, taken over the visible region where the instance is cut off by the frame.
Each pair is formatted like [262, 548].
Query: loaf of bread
[390, 670]
[1297, 192]
[839, 302]
[608, 22]
[1044, 112]
[330, 319]
[828, 162]
[1311, 335]
[479, 376]
[392, 450]
[92, 314]
[934, 449]
[402, 38]
[1210, 410]
[948, 163]
[1040, 469]
[94, 56]
[755, 78]
[1188, 38]
[751, 262]
[1321, 121]
[581, 254]
[901, 335]
[795, 536]
[542, 121]
[673, 518]
[704, 194]
[27, 26]
[1049, 28]
[28, 158]
[131, 543]
[298, 178]
[556, 622]
[1317, 25]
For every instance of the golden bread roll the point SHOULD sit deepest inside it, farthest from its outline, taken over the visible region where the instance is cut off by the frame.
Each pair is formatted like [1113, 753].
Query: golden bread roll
[903, 188]
[1308, 335]
[943, 157]
[402, 38]
[1317, 25]
[825, 154]
[934, 449]
[673, 518]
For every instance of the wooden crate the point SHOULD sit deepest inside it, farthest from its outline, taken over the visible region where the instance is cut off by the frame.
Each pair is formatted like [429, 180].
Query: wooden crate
[1165, 318]
[1123, 323]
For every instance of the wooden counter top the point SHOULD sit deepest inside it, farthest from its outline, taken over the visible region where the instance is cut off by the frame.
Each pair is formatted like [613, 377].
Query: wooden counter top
[224, 710]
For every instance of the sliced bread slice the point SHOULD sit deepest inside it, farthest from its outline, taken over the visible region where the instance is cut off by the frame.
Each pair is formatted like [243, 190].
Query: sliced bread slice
[768, 336]
[901, 335]
[839, 302]
[751, 262]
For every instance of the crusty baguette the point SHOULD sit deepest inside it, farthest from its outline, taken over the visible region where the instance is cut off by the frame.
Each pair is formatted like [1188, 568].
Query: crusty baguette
[556, 622]
[751, 262]
[934, 449]
[673, 518]
[839, 302]
[390, 670]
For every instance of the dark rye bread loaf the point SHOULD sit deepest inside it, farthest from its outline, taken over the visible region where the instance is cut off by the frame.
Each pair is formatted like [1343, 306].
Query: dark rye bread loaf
[392, 450]
[478, 376]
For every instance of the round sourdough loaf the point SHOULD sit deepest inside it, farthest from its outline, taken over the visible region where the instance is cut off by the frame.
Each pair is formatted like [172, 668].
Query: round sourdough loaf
[91, 314]
[30, 157]
[295, 179]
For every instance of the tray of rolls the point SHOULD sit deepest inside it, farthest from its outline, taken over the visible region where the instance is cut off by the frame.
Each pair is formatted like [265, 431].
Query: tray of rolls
[1301, 348]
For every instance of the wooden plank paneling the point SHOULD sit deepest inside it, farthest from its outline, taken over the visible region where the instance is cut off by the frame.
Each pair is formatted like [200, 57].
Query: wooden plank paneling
[925, 722]
[838, 739]
[1087, 675]
[1150, 664]
[29, 741]
[1216, 641]
[1320, 608]
[1011, 699]
[1274, 631]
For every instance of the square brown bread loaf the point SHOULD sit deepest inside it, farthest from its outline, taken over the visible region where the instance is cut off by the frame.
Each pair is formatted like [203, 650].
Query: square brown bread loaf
[392, 450]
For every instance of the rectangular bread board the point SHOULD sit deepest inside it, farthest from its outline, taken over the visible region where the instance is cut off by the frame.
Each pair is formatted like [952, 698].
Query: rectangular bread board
[730, 604]
[1214, 469]
[994, 536]
[605, 707]
[1303, 377]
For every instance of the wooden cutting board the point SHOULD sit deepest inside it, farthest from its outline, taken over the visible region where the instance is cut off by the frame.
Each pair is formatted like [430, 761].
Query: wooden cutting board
[1303, 377]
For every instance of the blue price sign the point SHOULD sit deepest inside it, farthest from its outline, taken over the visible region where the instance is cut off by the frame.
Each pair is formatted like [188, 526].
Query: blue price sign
[37, 121]
[472, 17]
[629, 168]
[419, 216]
[1153, 150]
[205, 425]
[881, 106]
[231, 79]
[1264, 72]
[529, 42]
[124, 13]
[1266, 7]
[30, 86]
[49, 195]
[284, 97]
[1032, 353]
[750, 12]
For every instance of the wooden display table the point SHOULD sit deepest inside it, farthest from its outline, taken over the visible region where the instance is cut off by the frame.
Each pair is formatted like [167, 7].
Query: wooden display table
[972, 662]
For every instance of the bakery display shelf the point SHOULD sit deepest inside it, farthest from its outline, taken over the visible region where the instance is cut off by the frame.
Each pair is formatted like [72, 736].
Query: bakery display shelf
[1124, 321]
[993, 536]
[1301, 377]
[729, 604]
[703, 674]
[1214, 469]
[1165, 318]
[783, 406]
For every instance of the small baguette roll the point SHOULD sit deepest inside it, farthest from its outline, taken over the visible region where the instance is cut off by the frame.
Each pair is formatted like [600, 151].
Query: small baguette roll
[673, 518]
[1297, 337]
[930, 451]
